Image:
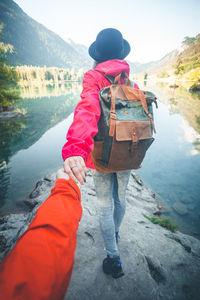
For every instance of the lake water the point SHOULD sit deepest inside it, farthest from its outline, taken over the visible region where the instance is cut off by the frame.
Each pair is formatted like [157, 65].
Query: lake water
[172, 165]
[32, 148]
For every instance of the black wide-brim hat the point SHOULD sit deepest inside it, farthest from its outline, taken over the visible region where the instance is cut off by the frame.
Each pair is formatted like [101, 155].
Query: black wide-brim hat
[109, 44]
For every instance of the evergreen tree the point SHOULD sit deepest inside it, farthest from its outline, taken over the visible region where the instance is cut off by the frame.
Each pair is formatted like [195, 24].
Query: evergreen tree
[188, 41]
[9, 91]
[48, 75]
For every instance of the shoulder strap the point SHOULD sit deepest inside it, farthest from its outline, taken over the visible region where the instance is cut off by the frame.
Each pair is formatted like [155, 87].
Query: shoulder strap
[111, 79]
[108, 77]
[116, 79]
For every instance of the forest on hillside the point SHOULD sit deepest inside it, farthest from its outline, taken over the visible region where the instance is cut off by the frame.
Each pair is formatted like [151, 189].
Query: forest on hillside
[189, 58]
[9, 90]
[13, 79]
[187, 64]
[34, 74]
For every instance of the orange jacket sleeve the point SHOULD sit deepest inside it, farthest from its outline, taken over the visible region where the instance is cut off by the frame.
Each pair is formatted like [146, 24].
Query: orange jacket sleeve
[40, 264]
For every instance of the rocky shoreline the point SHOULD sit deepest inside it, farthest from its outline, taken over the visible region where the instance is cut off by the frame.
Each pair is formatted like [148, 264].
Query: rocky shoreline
[10, 115]
[158, 264]
[195, 88]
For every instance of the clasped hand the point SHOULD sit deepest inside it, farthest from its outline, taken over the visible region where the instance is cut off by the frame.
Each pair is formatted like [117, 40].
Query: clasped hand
[75, 168]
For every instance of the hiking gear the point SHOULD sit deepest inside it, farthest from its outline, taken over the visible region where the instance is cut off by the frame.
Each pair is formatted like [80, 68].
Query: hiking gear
[117, 236]
[40, 265]
[82, 131]
[109, 44]
[125, 126]
[113, 266]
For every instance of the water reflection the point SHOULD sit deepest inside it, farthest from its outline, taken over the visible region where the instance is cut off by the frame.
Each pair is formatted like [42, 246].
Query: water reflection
[191, 136]
[188, 105]
[41, 90]
[172, 164]
[42, 113]
[182, 101]
[10, 135]
[29, 165]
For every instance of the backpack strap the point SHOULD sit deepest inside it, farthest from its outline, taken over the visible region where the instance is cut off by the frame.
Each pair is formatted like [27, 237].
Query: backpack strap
[112, 119]
[116, 79]
[144, 105]
[111, 79]
[122, 75]
[108, 77]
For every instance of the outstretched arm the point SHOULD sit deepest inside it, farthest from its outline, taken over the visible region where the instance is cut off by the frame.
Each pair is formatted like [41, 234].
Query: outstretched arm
[83, 129]
[40, 265]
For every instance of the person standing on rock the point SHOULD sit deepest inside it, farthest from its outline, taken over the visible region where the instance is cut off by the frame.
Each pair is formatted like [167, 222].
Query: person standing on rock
[108, 52]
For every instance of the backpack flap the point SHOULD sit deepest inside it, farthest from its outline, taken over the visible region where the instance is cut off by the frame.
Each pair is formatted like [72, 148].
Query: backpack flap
[133, 130]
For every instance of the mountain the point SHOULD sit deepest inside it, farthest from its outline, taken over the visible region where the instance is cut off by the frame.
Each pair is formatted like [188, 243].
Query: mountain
[184, 64]
[137, 67]
[155, 66]
[81, 49]
[166, 61]
[189, 58]
[34, 44]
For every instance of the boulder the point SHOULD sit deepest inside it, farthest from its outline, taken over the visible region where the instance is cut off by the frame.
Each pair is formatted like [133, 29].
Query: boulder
[180, 208]
[195, 88]
[10, 115]
[3, 165]
[8, 108]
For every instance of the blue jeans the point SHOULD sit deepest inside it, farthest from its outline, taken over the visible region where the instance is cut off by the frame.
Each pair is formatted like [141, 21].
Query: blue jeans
[111, 195]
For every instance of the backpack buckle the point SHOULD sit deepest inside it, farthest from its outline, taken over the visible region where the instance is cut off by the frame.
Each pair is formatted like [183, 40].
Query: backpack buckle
[113, 115]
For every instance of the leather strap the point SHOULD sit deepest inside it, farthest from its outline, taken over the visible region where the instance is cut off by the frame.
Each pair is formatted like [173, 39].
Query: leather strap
[115, 80]
[112, 120]
[122, 75]
[144, 105]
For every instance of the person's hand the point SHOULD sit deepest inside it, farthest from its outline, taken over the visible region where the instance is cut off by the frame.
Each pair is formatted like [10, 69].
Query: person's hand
[61, 174]
[75, 168]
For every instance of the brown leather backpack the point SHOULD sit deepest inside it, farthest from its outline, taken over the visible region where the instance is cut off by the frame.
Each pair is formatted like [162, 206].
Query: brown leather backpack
[125, 126]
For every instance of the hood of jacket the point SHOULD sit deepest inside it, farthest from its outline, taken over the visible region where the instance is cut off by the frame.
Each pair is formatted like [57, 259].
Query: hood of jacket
[113, 67]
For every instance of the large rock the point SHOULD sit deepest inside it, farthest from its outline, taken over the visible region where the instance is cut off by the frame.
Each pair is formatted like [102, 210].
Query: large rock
[10, 115]
[158, 264]
[12, 226]
[195, 88]
[180, 208]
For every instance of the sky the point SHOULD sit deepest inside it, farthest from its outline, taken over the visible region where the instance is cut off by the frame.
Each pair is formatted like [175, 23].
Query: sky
[153, 28]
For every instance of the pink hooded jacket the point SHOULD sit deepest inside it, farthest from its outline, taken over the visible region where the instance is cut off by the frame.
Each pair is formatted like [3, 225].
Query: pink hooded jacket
[84, 126]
